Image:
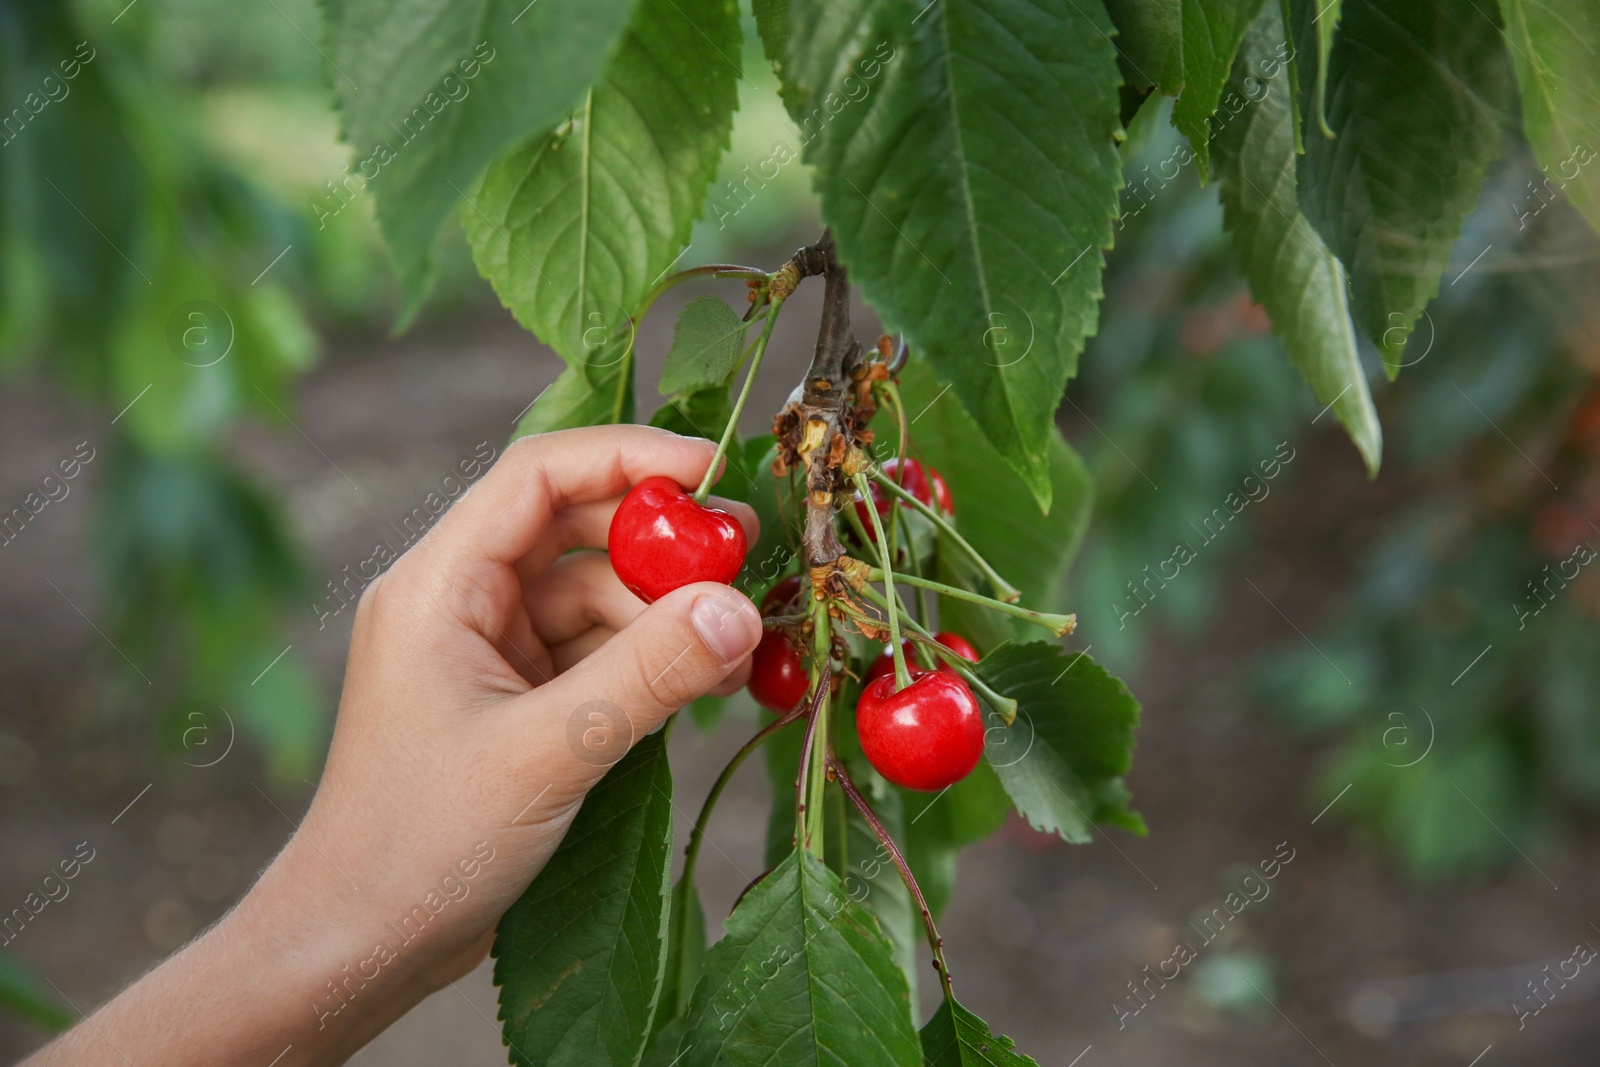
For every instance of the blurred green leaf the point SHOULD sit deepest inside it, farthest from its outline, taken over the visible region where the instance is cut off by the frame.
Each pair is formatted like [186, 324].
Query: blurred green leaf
[1418, 91]
[22, 993]
[1292, 273]
[1555, 47]
[869, 875]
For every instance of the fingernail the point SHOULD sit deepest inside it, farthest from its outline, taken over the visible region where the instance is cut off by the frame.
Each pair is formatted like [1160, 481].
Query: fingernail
[728, 624]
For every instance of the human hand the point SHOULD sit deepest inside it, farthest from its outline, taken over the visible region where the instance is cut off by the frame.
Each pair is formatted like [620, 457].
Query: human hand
[494, 675]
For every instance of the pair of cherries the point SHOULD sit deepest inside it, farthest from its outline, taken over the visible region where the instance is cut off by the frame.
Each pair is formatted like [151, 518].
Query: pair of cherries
[927, 736]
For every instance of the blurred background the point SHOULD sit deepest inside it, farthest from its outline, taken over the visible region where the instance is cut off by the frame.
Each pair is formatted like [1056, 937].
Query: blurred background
[207, 428]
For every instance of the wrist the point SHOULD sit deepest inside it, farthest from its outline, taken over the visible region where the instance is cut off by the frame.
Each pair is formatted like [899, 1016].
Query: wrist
[327, 984]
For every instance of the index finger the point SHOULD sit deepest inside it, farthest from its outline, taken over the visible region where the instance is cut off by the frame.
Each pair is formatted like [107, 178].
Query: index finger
[504, 516]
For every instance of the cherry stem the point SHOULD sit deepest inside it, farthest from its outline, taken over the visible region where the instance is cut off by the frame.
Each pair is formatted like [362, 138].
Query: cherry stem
[1059, 625]
[715, 270]
[935, 942]
[1006, 706]
[892, 392]
[1007, 592]
[822, 639]
[697, 835]
[904, 427]
[728, 431]
[902, 677]
[807, 793]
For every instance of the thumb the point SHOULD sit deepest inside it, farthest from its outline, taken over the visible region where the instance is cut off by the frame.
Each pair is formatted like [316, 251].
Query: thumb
[675, 651]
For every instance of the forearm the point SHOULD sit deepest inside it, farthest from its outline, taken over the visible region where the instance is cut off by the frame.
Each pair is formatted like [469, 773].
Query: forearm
[269, 984]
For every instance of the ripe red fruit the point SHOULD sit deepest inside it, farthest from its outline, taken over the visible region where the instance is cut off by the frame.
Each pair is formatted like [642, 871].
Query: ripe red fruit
[924, 483]
[662, 539]
[927, 736]
[780, 595]
[778, 679]
[884, 664]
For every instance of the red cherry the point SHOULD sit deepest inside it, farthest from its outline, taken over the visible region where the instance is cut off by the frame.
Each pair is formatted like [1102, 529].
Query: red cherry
[780, 595]
[662, 539]
[778, 679]
[924, 483]
[927, 736]
[884, 664]
[957, 644]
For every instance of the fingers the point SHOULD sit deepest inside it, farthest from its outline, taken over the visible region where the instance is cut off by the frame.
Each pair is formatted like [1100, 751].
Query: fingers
[579, 592]
[570, 653]
[679, 648]
[507, 512]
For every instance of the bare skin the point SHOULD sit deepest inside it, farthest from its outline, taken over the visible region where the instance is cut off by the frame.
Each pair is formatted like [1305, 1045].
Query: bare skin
[467, 736]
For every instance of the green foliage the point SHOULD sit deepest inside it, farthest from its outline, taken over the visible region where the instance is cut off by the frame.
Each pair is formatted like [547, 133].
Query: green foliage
[1030, 550]
[21, 992]
[939, 826]
[804, 976]
[132, 274]
[1292, 273]
[404, 75]
[707, 346]
[579, 958]
[573, 400]
[1417, 98]
[605, 200]
[966, 164]
[869, 876]
[1554, 44]
[1186, 48]
[955, 1037]
[1063, 760]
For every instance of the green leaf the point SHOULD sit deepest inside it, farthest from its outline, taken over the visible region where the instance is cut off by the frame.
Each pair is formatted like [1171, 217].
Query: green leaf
[1291, 272]
[1185, 49]
[1063, 760]
[777, 505]
[1030, 550]
[955, 1037]
[571, 401]
[686, 952]
[1327, 23]
[22, 993]
[575, 226]
[1417, 95]
[804, 977]
[429, 92]
[1555, 48]
[967, 165]
[870, 877]
[707, 345]
[781, 753]
[939, 825]
[579, 958]
[702, 413]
